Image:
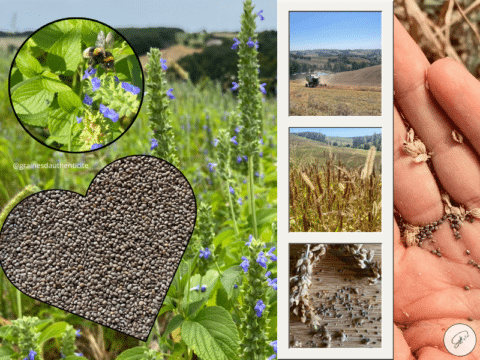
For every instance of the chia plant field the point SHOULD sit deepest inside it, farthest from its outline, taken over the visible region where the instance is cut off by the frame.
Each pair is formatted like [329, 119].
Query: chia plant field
[222, 301]
[337, 189]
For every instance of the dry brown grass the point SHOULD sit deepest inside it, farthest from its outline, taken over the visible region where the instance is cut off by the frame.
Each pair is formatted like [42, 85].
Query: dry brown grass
[332, 198]
[173, 53]
[334, 100]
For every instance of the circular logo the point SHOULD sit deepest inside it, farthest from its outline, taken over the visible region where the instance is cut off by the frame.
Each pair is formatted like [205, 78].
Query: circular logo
[460, 339]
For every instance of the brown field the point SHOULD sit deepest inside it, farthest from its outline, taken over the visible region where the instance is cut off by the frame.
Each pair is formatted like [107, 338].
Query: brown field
[13, 40]
[173, 53]
[334, 100]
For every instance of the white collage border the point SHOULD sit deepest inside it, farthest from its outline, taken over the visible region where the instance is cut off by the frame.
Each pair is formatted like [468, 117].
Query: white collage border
[284, 122]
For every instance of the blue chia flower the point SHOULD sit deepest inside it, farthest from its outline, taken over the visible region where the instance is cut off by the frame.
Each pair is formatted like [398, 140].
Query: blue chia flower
[250, 43]
[31, 355]
[89, 73]
[272, 283]
[271, 255]
[78, 333]
[259, 14]
[235, 86]
[260, 154]
[204, 287]
[237, 129]
[116, 79]
[257, 174]
[163, 62]
[154, 144]
[232, 191]
[239, 159]
[259, 308]
[234, 140]
[212, 166]
[236, 42]
[79, 119]
[260, 141]
[256, 47]
[95, 83]
[130, 88]
[96, 146]
[249, 242]
[240, 202]
[78, 354]
[262, 88]
[245, 264]
[235, 286]
[205, 253]
[245, 181]
[109, 113]
[267, 274]
[87, 100]
[274, 345]
[245, 157]
[262, 260]
[170, 95]
[215, 142]
[205, 151]
[195, 288]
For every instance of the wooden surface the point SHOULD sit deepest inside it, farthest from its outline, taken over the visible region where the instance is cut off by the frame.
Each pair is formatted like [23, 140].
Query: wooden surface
[331, 276]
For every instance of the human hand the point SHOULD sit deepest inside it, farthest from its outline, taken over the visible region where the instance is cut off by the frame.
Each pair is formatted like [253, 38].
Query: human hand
[430, 291]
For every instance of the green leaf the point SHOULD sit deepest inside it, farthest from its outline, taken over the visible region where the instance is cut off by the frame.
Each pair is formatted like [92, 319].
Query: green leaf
[136, 353]
[225, 237]
[66, 53]
[74, 357]
[176, 321]
[38, 119]
[210, 279]
[222, 299]
[53, 331]
[27, 64]
[59, 125]
[47, 36]
[212, 334]
[69, 101]
[6, 351]
[30, 97]
[230, 277]
[51, 83]
[193, 307]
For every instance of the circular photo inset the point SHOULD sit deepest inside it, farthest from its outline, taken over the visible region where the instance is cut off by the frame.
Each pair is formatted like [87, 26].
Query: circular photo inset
[76, 85]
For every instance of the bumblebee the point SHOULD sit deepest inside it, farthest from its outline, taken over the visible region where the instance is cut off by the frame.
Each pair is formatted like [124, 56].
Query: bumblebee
[98, 55]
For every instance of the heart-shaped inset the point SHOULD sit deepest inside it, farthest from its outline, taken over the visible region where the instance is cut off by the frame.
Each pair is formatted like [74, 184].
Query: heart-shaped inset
[109, 256]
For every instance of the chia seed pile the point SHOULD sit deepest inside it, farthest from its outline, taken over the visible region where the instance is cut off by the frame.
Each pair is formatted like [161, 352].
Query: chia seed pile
[109, 256]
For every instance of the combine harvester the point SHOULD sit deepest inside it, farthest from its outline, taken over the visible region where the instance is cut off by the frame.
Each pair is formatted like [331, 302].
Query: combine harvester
[313, 81]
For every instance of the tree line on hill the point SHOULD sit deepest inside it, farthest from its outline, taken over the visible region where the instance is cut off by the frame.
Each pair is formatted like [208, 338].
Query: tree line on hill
[359, 142]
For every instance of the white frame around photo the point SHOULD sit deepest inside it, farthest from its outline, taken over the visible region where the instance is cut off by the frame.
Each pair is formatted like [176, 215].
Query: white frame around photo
[284, 123]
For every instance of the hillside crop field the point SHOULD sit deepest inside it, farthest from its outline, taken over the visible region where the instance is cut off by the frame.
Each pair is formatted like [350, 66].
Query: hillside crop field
[333, 188]
[342, 101]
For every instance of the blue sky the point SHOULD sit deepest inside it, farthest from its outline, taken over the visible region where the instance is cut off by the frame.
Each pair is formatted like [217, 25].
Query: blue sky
[343, 132]
[335, 30]
[190, 15]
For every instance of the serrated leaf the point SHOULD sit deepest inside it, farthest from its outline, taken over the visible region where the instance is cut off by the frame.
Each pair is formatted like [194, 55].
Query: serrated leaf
[230, 277]
[212, 334]
[136, 353]
[59, 125]
[69, 101]
[38, 119]
[30, 97]
[27, 64]
[53, 331]
[51, 83]
[66, 53]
